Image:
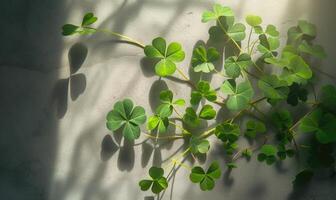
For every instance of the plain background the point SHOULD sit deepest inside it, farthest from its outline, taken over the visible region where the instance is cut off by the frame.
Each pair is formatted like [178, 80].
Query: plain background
[56, 92]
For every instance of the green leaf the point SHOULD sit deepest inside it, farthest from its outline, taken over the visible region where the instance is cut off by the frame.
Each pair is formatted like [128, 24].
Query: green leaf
[236, 32]
[231, 165]
[207, 112]
[296, 71]
[190, 117]
[328, 98]
[218, 11]
[253, 20]
[307, 28]
[89, 19]
[247, 153]
[239, 96]
[296, 93]
[199, 145]
[282, 119]
[273, 88]
[303, 177]
[254, 127]
[227, 132]
[203, 90]
[314, 50]
[124, 115]
[272, 31]
[233, 65]
[166, 96]
[159, 123]
[167, 57]
[158, 182]
[206, 179]
[179, 102]
[268, 150]
[202, 60]
[69, 29]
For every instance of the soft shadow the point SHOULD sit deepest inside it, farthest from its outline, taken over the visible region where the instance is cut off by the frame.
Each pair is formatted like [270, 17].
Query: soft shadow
[108, 148]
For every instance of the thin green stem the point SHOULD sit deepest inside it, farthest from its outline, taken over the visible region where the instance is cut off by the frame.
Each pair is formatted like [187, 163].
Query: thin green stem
[180, 127]
[174, 137]
[126, 38]
[235, 43]
[249, 39]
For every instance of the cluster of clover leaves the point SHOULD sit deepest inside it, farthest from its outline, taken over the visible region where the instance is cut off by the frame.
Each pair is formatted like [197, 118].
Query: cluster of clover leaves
[280, 91]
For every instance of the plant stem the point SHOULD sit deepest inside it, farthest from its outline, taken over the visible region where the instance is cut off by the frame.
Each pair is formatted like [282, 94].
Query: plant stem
[175, 110]
[180, 127]
[126, 38]
[185, 77]
[235, 43]
[164, 137]
[297, 123]
[249, 39]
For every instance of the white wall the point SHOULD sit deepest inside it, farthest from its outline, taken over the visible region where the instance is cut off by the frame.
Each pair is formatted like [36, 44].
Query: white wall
[53, 137]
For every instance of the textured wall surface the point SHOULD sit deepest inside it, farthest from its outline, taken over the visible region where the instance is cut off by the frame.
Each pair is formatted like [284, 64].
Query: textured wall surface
[56, 91]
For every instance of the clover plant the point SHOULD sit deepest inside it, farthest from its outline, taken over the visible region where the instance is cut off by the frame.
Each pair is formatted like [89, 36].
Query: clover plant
[257, 102]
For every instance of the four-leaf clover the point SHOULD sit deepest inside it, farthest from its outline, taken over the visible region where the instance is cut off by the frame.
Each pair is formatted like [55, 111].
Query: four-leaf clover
[125, 116]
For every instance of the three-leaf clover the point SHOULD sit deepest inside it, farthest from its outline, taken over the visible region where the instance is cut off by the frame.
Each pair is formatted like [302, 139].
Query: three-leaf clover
[203, 90]
[321, 123]
[269, 41]
[202, 60]
[314, 50]
[282, 119]
[233, 64]
[297, 71]
[206, 179]
[218, 11]
[296, 93]
[227, 132]
[158, 122]
[198, 145]
[207, 112]
[125, 116]
[328, 98]
[167, 56]
[253, 127]
[167, 103]
[304, 31]
[158, 182]
[239, 95]
[88, 19]
[283, 152]
[267, 153]
[190, 117]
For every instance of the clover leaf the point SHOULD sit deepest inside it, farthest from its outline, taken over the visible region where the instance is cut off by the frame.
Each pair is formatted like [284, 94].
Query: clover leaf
[198, 145]
[236, 32]
[157, 183]
[233, 64]
[297, 71]
[253, 127]
[231, 165]
[296, 93]
[127, 117]
[321, 123]
[307, 28]
[167, 56]
[282, 120]
[88, 19]
[227, 132]
[190, 117]
[203, 90]
[269, 41]
[218, 11]
[158, 122]
[253, 20]
[167, 104]
[283, 152]
[239, 96]
[328, 98]
[267, 153]
[247, 153]
[202, 60]
[207, 112]
[273, 88]
[205, 179]
[314, 50]
[304, 31]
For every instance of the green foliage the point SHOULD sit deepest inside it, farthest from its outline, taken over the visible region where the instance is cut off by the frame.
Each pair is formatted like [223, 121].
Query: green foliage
[282, 76]
[203, 90]
[233, 64]
[124, 115]
[83, 29]
[198, 145]
[217, 12]
[167, 104]
[206, 179]
[253, 127]
[239, 95]
[202, 60]
[267, 154]
[157, 183]
[322, 124]
[167, 56]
